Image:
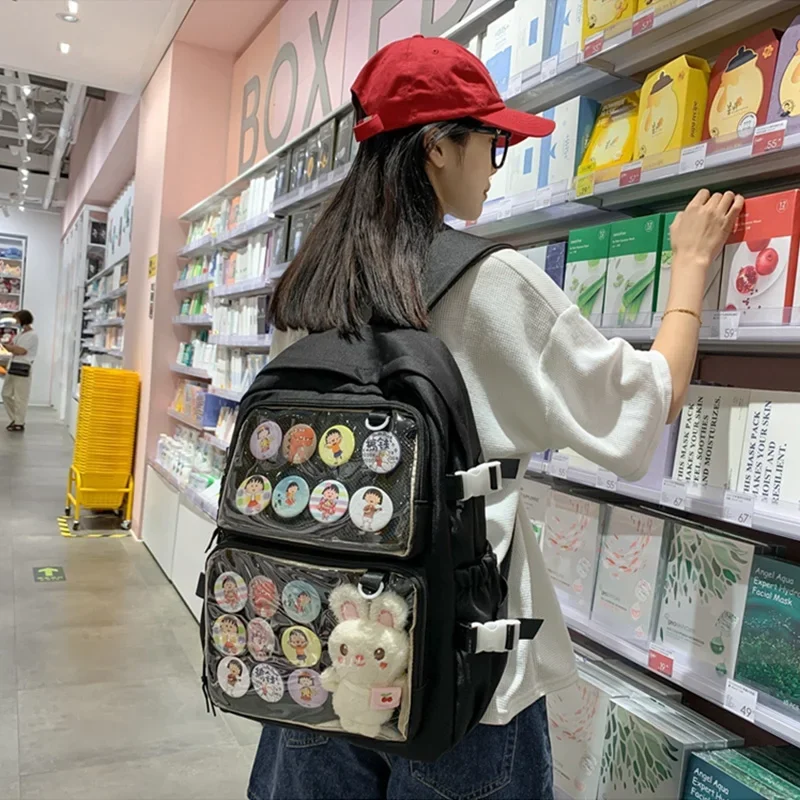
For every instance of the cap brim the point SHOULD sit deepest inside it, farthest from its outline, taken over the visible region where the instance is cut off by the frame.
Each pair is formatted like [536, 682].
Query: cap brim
[520, 125]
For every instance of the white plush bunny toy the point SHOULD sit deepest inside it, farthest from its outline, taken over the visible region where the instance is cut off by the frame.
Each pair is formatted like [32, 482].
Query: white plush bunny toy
[369, 656]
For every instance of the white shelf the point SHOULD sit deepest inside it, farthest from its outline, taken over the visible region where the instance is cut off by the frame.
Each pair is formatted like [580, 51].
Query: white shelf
[103, 351]
[311, 193]
[95, 246]
[192, 372]
[220, 444]
[10, 276]
[237, 236]
[189, 284]
[776, 722]
[252, 286]
[259, 341]
[184, 420]
[228, 394]
[193, 320]
[114, 322]
[202, 246]
[189, 495]
[114, 295]
[105, 271]
[10, 294]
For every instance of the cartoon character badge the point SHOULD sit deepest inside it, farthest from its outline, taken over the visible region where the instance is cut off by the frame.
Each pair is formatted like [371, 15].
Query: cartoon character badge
[263, 596]
[301, 601]
[337, 445]
[229, 635]
[265, 440]
[299, 444]
[305, 688]
[381, 452]
[268, 683]
[329, 501]
[260, 639]
[371, 509]
[253, 495]
[301, 646]
[230, 592]
[291, 497]
[233, 676]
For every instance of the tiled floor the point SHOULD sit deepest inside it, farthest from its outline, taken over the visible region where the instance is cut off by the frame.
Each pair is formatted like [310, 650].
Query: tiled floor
[99, 689]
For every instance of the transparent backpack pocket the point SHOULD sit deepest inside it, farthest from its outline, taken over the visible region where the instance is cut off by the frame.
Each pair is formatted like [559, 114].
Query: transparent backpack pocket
[342, 479]
[326, 648]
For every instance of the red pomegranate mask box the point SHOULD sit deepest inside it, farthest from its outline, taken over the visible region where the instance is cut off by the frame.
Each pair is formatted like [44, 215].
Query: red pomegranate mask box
[740, 89]
[760, 262]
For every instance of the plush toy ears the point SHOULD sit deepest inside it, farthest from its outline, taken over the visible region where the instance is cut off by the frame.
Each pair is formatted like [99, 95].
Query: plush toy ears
[390, 610]
[347, 603]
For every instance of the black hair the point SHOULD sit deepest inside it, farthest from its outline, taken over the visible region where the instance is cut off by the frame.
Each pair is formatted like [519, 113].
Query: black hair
[363, 261]
[376, 492]
[331, 486]
[24, 317]
[293, 483]
[331, 432]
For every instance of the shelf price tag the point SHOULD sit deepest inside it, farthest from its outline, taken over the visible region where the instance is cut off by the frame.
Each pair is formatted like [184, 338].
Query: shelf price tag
[673, 494]
[738, 508]
[725, 325]
[693, 158]
[584, 185]
[544, 198]
[514, 85]
[504, 209]
[606, 480]
[741, 700]
[630, 174]
[769, 138]
[559, 466]
[549, 68]
[656, 324]
[660, 660]
[593, 45]
[643, 22]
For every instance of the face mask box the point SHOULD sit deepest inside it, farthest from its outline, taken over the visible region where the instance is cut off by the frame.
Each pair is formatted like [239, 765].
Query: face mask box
[551, 258]
[607, 16]
[760, 259]
[740, 89]
[523, 167]
[613, 136]
[498, 46]
[534, 27]
[563, 149]
[565, 38]
[672, 109]
[585, 273]
[633, 270]
[784, 101]
[713, 276]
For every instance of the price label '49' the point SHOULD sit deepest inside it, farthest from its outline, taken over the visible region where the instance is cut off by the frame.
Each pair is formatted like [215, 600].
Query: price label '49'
[740, 699]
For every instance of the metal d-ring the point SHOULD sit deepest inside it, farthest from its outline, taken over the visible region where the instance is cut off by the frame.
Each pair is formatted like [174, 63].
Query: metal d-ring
[385, 424]
[371, 595]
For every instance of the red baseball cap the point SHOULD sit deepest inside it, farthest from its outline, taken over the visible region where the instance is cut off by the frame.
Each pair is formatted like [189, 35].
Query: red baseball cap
[420, 80]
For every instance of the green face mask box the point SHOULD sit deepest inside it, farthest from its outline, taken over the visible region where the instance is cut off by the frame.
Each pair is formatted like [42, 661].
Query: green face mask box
[633, 271]
[585, 274]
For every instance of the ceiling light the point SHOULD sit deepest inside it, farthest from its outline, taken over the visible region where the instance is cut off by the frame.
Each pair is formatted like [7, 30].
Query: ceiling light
[29, 136]
[71, 18]
[72, 6]
[31, 116]
[26, 159]
[27, 89]
[21, 208]
[24, 172]
[63, 47]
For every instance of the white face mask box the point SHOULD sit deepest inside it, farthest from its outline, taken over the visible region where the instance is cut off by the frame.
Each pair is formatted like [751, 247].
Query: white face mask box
[565, 37]
[523, 167]
[497, 51]
[534, 27]
[563, 149]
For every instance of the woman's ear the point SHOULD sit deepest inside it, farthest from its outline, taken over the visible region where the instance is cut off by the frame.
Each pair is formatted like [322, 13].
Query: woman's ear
[435, 148]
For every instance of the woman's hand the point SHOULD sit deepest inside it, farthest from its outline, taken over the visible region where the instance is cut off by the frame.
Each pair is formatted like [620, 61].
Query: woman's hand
[700, 231]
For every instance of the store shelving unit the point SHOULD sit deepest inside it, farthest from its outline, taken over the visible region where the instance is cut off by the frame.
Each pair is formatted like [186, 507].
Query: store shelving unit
[13, 255]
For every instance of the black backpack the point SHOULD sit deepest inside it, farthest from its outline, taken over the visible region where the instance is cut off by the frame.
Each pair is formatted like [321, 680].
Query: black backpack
[352, 590]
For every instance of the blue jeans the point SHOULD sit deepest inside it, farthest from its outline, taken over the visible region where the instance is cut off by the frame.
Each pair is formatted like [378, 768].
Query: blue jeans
[499, 762]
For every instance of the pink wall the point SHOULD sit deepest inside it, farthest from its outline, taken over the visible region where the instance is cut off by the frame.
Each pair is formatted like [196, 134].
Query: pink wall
[101, 127]
[180, 160]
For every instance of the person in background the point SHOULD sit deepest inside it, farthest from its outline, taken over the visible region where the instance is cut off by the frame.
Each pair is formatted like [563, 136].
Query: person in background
[17, 383]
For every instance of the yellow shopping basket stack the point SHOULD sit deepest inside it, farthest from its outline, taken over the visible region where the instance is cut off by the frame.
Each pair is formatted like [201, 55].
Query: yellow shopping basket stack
[100, 476]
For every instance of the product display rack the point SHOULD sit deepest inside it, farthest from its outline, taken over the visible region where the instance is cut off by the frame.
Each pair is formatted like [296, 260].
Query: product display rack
[13, 255]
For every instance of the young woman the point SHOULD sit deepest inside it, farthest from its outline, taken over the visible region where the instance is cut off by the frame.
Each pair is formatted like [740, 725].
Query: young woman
[433, 131]
[17, 383]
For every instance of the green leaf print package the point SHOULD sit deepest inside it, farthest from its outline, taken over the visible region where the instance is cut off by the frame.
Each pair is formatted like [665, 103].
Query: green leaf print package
[703, 601]
[633, 271]
[585, 275]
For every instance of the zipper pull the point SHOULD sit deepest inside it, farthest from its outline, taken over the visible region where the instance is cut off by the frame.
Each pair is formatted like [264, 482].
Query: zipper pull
[210, 708]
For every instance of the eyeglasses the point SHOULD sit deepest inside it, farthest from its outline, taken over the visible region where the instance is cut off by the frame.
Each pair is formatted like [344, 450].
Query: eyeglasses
[501, 140]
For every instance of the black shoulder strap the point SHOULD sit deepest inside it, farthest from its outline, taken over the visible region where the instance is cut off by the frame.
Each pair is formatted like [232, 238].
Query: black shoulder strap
[451, 254]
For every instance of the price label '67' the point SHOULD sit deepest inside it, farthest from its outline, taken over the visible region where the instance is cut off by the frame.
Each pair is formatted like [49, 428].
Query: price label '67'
[738, 508]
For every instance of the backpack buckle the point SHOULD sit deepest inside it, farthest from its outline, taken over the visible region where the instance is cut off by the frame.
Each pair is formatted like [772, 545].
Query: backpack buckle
[481, 480]
[495, 636]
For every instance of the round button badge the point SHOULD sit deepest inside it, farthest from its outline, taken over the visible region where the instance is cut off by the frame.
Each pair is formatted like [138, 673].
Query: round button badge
[301, 646]
[230, 592]
[260, 639]
[329, 501]
[267, 682]
[233, 676]
[371, 509]
[290, 497]
[265, 441]
[301, 601]
[264, 596]
[229, 635]
[299, 444]
[305, 688]
[381, 452]
[253, 495]
[337, 445]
